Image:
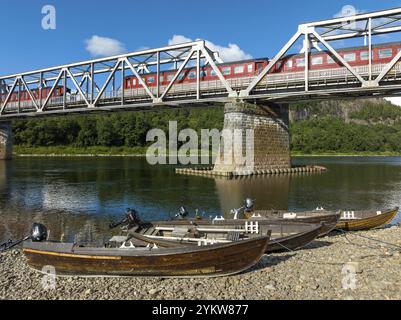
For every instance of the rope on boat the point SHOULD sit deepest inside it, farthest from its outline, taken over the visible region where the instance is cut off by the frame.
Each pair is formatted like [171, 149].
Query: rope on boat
[305, 260]
[371, 239]
[345, 235]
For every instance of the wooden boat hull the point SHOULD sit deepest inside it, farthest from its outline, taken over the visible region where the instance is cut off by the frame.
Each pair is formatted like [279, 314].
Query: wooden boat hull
[365, 220]
[329, 220]
[208, 261]
[300, 234]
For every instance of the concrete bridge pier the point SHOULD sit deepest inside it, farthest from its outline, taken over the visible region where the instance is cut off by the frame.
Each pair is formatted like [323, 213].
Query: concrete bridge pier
[6, 145]
[271, 144]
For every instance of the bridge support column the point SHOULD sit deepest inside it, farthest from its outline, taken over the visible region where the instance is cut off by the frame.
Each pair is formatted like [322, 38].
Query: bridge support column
[271, 143]
[6, 145]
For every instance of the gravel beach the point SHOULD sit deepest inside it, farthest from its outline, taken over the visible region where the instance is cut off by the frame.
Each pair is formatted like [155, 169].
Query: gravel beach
[316, 272]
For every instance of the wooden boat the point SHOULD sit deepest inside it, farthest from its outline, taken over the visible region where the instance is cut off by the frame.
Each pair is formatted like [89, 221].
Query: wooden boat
[328, 219]
[185, 261]
[365, 220]
[285, 235]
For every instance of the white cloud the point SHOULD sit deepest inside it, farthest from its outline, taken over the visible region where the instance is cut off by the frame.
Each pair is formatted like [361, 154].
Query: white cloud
[394, 100]
[228, 54]
[101, 46]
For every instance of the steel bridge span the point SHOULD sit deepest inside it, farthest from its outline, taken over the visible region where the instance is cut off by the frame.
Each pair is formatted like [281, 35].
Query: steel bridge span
[98, 85]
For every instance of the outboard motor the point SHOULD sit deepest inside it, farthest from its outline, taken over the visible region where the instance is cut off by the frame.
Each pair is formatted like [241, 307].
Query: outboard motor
[182, 213]
[131, 219]
[248, 205]
[38, 232]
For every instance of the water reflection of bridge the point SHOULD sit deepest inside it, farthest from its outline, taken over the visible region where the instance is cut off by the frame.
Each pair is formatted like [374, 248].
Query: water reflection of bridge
[271, 192]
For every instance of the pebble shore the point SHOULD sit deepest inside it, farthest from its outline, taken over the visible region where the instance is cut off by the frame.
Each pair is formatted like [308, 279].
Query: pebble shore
[315, 272]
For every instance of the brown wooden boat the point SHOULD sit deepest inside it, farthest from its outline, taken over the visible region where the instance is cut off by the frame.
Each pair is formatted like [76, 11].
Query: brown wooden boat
[365, 220]
[185, 261]
[328, 219]
[285, 235]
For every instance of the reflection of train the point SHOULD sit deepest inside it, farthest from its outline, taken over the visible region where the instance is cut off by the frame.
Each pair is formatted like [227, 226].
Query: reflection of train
[288, 72]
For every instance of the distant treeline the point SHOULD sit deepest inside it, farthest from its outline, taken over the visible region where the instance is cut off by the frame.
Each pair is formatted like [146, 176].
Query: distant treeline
[127, 129]
[319, 133]
[332, 134]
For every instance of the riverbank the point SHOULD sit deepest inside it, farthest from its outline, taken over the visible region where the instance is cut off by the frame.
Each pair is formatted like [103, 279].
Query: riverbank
[346, 154]
[100, 151]
[316, 272]
[66, 151]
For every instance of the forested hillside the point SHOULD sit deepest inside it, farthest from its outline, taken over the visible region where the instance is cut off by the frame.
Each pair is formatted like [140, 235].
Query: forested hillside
[352, 126]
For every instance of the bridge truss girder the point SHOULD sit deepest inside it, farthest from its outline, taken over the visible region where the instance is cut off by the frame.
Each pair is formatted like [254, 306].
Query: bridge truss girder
[91, 79]
[322, 33]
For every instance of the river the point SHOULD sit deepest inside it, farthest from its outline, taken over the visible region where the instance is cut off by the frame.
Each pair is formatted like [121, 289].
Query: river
[78, 197]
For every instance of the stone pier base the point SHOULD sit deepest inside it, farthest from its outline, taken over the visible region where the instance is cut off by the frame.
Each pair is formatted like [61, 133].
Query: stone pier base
[271, 140]
[6, 145]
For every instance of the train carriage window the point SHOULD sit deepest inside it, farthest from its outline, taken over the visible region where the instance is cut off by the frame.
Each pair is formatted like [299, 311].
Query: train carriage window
[134, 82]
[239, 69]
[385, 53]
[213, 73]
[192, 75]
[365, 55]
[301, 62]
[259, 66]
[170, 77]
[203, 74]
[349, 57]
[151, 79]
[290, 64]
[181, 76]
[227, 71]
[317, 60]
[330, 60]
[250, 68]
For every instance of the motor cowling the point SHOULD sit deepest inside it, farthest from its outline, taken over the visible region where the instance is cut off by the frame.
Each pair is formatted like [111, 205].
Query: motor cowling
[38, 232]
[182, 213]
[249, 204]
[133, 217]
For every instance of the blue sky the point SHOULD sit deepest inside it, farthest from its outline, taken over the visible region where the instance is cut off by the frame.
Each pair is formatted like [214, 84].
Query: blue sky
[259, 28]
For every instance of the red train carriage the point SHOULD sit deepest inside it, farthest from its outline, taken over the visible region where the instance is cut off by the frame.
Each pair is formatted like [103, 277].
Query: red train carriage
[289, 68]
[232, 70]
[24, 95]
[357, 56]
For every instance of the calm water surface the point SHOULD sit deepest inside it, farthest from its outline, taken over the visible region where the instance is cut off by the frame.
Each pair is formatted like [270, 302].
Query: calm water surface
[78, 197]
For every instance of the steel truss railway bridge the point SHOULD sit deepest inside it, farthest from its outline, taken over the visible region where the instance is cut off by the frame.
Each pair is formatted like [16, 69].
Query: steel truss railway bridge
[97, 85]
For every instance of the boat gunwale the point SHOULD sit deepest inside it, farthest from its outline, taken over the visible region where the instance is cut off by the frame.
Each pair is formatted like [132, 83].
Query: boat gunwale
[149, 251]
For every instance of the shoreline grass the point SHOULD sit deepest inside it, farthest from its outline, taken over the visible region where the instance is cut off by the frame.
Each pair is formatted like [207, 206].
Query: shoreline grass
[61, 151]
[347, 154]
